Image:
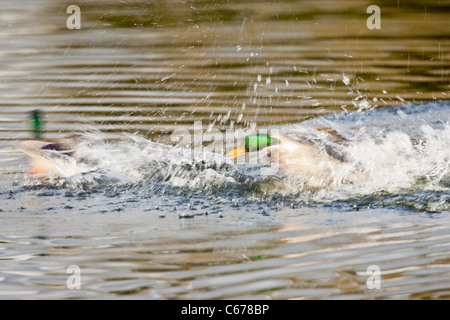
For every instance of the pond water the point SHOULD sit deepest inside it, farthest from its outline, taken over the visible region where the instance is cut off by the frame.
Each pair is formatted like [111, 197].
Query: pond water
[150, 213]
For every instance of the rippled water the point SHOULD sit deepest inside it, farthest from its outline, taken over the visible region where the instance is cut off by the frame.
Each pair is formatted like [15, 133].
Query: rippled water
[143, 215]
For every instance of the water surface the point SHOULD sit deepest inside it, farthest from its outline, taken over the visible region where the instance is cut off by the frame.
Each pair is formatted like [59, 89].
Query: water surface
[147, 218]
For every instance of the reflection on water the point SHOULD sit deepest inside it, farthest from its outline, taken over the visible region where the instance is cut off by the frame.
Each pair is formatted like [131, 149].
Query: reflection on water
[312, 255]
[159, 228]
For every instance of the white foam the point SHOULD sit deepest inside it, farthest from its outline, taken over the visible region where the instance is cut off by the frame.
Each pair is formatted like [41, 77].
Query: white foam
[388, 151]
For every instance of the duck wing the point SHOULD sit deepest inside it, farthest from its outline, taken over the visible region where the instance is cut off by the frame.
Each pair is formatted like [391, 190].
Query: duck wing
[333, 144]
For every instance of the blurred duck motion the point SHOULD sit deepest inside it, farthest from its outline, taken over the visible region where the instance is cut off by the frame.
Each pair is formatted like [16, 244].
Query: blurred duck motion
[49, 158]
[316, 157]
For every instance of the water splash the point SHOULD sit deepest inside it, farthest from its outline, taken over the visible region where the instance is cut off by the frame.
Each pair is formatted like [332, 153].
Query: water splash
[392, 149]
[401, 150]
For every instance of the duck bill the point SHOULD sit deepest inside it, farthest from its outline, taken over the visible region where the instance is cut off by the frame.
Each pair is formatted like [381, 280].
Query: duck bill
[236, 152]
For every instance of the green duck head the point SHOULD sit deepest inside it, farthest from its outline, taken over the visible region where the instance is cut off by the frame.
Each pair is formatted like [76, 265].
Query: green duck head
[256, 142]
[36, 122]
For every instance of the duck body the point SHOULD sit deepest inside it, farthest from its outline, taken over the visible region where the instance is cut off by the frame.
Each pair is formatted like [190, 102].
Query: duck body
[50, 158]
[313, 157]
[300, 157]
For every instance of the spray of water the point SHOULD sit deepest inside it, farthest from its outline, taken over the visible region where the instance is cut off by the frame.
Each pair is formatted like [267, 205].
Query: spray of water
[394, 150]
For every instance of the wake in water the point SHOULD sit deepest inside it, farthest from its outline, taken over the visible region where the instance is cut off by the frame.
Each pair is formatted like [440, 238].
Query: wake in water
[390, 150]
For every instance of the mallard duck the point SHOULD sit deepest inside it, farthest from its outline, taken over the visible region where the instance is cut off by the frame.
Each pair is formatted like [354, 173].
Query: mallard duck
[49, 157]
[313, 158]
